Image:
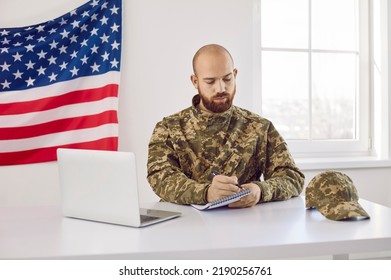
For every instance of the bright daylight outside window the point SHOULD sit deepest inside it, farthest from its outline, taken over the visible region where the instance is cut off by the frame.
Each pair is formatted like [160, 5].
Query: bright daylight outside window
[314, 74]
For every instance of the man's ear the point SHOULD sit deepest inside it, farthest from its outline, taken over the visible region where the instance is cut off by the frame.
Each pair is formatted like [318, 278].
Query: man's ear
[194, 80]
[235, 72]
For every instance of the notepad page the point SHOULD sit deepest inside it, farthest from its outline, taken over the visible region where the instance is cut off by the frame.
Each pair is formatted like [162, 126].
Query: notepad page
[222, 201]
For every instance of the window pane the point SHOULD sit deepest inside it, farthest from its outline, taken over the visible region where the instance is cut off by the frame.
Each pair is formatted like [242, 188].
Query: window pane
[284, 23]
[285, 92]
[334, 24]
[333, 95]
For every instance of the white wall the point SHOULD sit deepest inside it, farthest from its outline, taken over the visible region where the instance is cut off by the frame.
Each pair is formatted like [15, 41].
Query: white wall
[159, 40]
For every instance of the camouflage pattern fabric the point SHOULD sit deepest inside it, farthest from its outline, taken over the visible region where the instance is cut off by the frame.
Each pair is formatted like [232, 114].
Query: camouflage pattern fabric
[187, 146]
[335, 196]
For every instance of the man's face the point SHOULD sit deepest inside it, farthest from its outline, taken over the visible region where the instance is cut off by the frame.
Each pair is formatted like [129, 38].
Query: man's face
[215, 82]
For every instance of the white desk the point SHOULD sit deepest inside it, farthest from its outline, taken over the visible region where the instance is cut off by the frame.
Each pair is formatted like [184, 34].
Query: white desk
[276, 230]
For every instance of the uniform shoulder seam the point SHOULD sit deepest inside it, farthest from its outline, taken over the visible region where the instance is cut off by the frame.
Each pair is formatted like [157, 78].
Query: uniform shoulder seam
[244, 113]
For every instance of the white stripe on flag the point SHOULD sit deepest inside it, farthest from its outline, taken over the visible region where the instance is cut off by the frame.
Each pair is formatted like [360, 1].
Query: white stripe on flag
[69, 111]
[61, 138]
[60, 88]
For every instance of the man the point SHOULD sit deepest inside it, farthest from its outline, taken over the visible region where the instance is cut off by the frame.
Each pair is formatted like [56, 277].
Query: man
[215, 136]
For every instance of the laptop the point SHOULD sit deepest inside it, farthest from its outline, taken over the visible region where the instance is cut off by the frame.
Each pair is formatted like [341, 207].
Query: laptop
[101, 186]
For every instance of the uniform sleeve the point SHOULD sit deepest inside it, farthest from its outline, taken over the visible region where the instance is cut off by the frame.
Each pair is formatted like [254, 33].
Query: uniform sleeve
[282, 178]
[164, 172]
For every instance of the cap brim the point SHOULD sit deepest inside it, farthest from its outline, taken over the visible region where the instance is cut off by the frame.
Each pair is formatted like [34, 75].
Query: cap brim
[343, 211]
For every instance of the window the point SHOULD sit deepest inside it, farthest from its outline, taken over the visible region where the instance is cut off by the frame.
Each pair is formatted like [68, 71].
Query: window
[315, 74]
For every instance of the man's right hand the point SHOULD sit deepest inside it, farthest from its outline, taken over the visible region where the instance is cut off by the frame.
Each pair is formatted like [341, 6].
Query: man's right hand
[222, 186]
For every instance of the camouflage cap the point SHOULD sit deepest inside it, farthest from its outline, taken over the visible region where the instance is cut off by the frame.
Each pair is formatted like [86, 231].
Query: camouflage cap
[335, 196]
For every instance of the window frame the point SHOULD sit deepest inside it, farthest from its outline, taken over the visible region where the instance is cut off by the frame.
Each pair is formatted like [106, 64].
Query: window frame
[374, 149]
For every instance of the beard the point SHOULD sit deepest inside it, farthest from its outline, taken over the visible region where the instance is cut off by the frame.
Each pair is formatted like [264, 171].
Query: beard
[218, 107]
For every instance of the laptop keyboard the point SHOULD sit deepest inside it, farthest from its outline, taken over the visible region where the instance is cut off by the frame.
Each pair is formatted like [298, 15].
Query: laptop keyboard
[145, 218]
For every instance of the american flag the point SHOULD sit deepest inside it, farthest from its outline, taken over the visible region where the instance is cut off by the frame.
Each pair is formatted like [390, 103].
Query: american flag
[59, 84]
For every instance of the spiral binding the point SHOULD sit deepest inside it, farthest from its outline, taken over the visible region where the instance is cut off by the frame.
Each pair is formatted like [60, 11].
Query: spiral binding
[227, 198]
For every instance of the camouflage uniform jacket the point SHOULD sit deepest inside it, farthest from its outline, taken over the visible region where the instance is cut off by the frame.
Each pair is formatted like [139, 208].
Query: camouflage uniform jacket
[187, 146]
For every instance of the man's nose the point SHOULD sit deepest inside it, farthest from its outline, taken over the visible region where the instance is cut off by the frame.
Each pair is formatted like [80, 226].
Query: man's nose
[220, 86]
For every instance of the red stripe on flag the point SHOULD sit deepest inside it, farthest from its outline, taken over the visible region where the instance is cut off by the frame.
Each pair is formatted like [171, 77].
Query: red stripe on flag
[49, 154]
[74, 97]
[58, 126]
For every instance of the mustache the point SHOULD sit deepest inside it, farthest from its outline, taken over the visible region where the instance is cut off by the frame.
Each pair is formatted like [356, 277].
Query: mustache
[221, 94]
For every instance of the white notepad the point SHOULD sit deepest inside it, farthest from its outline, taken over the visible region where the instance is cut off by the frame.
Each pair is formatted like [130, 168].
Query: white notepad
[222, 201]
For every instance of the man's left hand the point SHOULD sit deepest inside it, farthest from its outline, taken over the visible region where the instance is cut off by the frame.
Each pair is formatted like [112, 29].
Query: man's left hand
[249, 200]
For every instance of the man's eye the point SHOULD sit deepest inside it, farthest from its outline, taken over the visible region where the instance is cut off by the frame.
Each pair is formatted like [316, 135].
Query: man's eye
[210, 82]
[227, 79]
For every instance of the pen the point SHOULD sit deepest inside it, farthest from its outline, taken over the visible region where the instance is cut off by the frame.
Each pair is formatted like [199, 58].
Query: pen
[215, 172]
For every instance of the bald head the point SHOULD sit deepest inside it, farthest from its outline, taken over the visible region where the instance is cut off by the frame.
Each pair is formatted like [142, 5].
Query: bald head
[207, 51]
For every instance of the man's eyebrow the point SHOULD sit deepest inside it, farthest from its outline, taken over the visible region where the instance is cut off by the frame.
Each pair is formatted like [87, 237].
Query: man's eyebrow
[213, 78]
